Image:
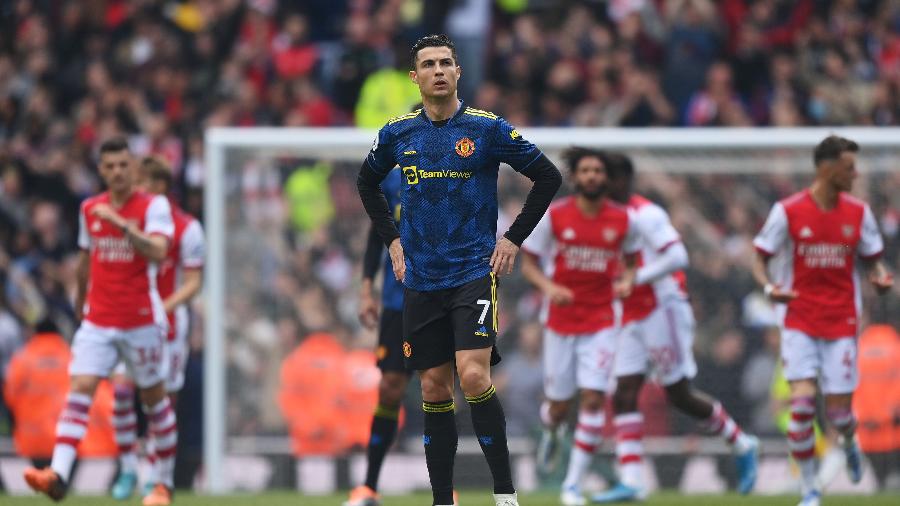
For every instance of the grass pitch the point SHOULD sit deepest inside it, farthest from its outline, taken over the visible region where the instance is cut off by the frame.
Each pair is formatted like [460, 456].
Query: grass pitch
[467, 498]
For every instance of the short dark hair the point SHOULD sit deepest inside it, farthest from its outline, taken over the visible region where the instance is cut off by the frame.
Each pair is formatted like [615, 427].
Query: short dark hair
[831, 148]
[434, 40]
[619, 165]
[114, 145]
[574, 155]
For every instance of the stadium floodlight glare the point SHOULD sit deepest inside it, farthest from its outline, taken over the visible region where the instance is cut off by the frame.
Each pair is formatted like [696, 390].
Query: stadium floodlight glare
[655, 150]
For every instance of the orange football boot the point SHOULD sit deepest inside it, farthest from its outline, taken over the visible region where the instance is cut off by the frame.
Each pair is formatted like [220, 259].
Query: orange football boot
[46, 481]
[159, 496]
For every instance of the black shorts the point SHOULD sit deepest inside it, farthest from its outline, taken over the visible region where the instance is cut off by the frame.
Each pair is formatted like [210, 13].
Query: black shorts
[437, 324]
[390, 341]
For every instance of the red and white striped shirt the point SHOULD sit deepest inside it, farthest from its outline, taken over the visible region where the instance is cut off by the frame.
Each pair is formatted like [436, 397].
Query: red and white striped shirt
[817, 252]
[656, 235]
[122, 289]
[582, 253]
[187, 250]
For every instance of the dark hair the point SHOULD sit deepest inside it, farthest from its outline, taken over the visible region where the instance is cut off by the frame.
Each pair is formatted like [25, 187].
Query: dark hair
[434, 40]
[574, 155]
[618, 165]
[114, 145]
[831, 148]
[157, 170]
[46, 326]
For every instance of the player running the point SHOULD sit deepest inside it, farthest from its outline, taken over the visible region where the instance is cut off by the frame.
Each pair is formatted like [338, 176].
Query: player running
[123, 234]
[817, 235]
[447, 255]
[658, 330]
[179, 279]
[579, 240]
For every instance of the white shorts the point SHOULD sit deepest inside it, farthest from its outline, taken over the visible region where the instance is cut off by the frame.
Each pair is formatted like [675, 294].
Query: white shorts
[96, 351]
[577, 361]
[177, 352]
[663, 340]
[832, 361]
[176, 355]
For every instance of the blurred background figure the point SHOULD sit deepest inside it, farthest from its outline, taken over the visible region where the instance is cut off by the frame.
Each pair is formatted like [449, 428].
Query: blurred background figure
[877, 402]
[35, 390]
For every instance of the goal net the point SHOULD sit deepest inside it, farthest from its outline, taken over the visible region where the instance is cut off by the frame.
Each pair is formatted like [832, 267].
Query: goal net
[289, 380]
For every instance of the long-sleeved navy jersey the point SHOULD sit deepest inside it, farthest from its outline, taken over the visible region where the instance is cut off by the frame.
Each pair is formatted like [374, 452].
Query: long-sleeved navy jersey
[391, 289]
[449, 190]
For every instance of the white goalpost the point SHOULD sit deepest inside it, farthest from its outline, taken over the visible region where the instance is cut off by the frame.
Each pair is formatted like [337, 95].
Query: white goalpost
[670, 151]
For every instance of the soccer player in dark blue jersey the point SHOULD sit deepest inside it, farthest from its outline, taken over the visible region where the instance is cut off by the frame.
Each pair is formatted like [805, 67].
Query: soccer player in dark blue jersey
[446, 253]
[394, 374]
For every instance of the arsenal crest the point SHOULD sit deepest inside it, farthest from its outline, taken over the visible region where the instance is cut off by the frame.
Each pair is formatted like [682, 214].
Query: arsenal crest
[609, 234]
[465, 147]
[847, 230]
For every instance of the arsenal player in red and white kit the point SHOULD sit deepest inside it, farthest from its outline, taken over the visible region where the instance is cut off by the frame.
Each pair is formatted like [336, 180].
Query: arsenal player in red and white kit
[579, 241]
[179, 278]
[658, 332]
[820, 237]
[123, 235]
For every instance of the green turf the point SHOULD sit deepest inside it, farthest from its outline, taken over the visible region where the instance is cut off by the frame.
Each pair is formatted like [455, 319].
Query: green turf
[467, 498]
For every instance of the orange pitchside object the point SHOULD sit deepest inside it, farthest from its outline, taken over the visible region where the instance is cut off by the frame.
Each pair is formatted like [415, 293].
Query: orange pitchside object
[328, 395]
[35, 390]
[877, 398]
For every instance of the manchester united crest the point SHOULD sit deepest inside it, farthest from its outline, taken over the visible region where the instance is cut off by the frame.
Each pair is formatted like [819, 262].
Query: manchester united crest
[465, 147]
[407, 349]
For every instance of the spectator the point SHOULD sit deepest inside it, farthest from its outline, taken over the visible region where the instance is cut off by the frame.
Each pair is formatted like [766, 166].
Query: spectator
[877, 400]
[35, 390]
[386, 93]
[718, 103]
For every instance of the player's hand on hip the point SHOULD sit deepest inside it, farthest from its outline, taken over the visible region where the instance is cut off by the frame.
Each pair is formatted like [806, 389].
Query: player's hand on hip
[397, 261]
[560, 295]
[504, 256]
[780, 295]
[368, 311]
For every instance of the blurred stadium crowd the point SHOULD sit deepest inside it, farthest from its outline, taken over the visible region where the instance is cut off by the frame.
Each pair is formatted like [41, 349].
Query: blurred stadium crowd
[73, 73]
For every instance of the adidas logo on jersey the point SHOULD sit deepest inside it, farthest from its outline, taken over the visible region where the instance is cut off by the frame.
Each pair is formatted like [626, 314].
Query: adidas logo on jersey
[805, 233]
[568, 234]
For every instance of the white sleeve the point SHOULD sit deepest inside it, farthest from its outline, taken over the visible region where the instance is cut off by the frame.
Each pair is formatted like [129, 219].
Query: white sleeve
[656, 228]
[774, 233]
[671, 259]
[193, 246]
[632, 242]
[870, 241]
[540, 242]
[84, 238]
[158, 219]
